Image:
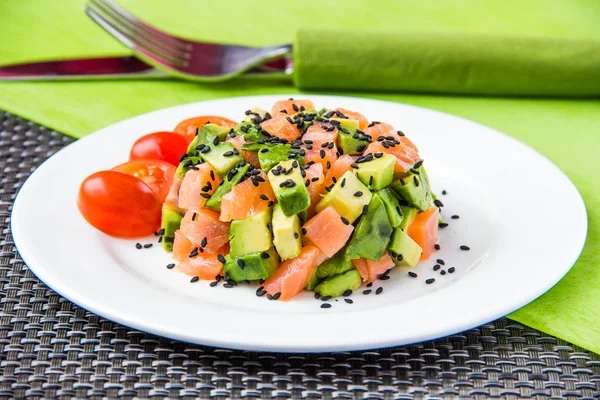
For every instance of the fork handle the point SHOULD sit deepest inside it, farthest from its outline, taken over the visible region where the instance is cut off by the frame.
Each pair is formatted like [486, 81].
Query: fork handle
[446, 63]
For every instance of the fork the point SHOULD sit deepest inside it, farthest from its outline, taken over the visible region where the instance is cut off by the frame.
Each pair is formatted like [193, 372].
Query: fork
[189, 59]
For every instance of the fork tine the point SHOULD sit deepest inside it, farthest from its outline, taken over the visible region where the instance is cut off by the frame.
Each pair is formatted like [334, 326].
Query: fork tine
[142, 27]
[141, 36]
[131, 41]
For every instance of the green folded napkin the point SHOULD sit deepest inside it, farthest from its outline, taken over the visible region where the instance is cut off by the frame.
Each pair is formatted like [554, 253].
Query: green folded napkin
[454, 63]
[565, 131]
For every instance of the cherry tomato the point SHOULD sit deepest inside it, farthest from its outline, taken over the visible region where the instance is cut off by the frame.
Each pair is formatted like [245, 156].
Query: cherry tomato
[188, 126]
[165, 146]
[119, 204]
[158, 175]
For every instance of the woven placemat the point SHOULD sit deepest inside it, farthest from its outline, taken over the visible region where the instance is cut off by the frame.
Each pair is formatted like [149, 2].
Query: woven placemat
[49, 347]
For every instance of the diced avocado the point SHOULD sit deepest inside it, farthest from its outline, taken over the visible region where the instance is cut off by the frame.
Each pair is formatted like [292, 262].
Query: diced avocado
[404, 251]
[408, 216]
[336, 285]
[256, 115]
[269, 155]
[412, 189]
[251, 267]
[286, 234]
[313, 282]
[288, 186]
[392, 206]
[372, 235]
[303, 215]
[230, 179]
[335, 265]
[205, 136]
[348, 196]
[170, 222]
[250, 235]
[222, 157]
[249, 131]
[350, 139]
[378, 172]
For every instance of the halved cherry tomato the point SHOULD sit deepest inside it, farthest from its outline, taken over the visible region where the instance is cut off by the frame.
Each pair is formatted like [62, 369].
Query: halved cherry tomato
[165, 146]
[158, 175]
[119, 204]
[187, 127]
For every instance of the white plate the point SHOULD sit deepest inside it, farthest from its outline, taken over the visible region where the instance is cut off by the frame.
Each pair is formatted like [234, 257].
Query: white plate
[523, 219]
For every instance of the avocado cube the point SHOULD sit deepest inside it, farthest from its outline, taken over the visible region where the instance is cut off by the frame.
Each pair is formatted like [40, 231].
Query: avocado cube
[348, 196]
[286, 234]
[335, 265]
[249, 131]
[378, 172]
[408, 216]
[256, 115]
[313, 282]
[414, 189]
[170, 222]
[270, 155]
[252, 266]
[350, 139]
[205, 136]
[404, 250]
[250, 235]
[185, 164]
[222, 157]
[288, 186]
[372, 235]
[336, 285]
[228, 182]
[392, 206]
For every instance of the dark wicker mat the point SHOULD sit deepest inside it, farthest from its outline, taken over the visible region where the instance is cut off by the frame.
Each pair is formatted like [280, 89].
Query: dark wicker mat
[49, 347]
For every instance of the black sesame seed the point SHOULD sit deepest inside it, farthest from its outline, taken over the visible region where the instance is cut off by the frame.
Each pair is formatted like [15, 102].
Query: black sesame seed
[371, 180]
[228, 154]
[412, 274]
[307, 183]
[345, 221]
[379, 290]
[438, 203]
[328, 164]
[303, 231]
[369, 284]
[205, 150]
[416, 180]
[296, 236]
[444, 192]
[213, 284]
[451, 270]
[430, 281]
[343, 183]
[325, 305]
[358, 194]
[147, 245]
[205, 195]
[264, 197]
[138, 246]
[170, 266]
[240, 263]
[227, 285]
[402, 182]
[265, 256]
[368, 291]
[442, 272]
[436, 267]
[354, 166]
[270, 203]
[466, 248]
[204, 242]
[254, 182]
[384, 277]
[325, 298]
[221, 258]
[317, 295]
[194, 279]
[261, 292]
[440, 261]
[365, 209]
[437, 246]
[276, 296]
[349, 301]
[322, 153]
[442, 224]
[295, 107]
[455, 217]
[414, 171]
[347, 293]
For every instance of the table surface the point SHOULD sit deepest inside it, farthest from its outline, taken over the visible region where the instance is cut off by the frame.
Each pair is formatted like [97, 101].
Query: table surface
[50, 347]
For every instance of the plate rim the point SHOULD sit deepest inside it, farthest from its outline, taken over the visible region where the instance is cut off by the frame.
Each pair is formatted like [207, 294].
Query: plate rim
[40, 271]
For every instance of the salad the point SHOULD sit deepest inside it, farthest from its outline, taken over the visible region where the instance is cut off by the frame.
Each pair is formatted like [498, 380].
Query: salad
[295, 198]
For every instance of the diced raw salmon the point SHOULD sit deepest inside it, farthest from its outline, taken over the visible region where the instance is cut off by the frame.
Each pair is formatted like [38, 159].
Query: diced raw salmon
[293, 274]
[203, 229]
[250, 156]
[319, 133]
[194, 184]
[287, 106]
[363, 122]
[244, 200]
[324, 156]
[328, 231]
[371, 270]
[279, 126]
[205, 266]
[424, 231]
[338, 168]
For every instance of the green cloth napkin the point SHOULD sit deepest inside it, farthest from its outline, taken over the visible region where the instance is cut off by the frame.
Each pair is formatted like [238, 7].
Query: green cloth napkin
[565, 131]
[450, 63]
